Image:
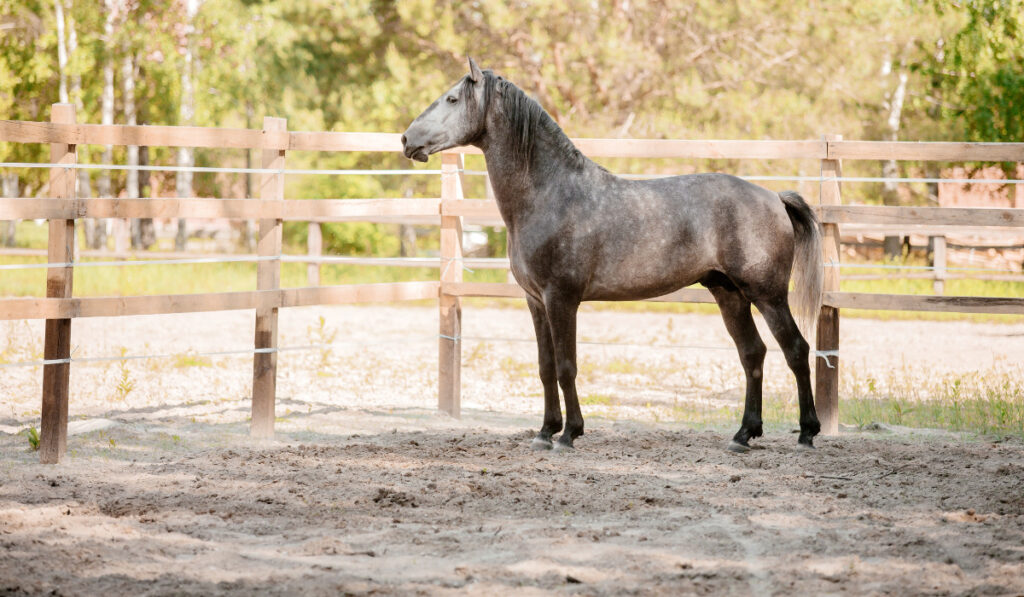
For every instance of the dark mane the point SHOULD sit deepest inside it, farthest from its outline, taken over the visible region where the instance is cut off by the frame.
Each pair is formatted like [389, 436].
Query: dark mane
[527, 121]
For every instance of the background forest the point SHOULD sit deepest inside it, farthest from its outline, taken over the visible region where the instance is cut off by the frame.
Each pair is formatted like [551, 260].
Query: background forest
[759, 69]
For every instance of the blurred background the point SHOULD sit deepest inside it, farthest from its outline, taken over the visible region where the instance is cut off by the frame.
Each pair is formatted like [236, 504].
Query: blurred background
[772, 69]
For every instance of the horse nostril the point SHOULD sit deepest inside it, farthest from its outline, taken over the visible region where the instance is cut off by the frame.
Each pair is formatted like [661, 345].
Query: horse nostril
[403, 140]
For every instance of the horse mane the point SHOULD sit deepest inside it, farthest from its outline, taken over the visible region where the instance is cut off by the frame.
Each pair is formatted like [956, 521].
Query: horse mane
[527, 120]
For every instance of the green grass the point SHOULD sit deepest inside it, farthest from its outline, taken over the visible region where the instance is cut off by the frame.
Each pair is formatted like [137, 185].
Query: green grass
[987, 402]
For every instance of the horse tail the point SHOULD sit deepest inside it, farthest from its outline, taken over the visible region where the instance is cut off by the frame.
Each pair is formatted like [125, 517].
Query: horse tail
[808, 271]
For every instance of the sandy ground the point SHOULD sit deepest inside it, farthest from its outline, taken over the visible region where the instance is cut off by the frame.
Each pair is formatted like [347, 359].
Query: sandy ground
[367, 490]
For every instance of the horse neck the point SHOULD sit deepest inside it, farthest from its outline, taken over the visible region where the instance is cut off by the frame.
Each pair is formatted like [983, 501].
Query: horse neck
[516, 183]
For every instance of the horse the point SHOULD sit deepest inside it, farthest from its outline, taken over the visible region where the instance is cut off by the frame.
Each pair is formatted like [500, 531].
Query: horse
[577, 232]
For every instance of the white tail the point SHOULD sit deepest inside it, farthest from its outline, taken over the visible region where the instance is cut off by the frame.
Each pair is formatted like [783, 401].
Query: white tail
[808, 272]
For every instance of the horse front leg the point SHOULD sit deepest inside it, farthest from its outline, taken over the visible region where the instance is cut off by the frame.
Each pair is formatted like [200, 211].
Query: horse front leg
[561, 311]
[548, 377]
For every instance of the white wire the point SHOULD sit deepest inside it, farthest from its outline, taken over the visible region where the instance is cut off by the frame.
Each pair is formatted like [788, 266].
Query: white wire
[247, 258]
[383, 261]
[405, 172]
[219, 353]
[918, 267]
[211, 169]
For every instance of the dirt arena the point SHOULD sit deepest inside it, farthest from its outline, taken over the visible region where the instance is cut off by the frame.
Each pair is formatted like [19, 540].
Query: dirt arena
[366, 490]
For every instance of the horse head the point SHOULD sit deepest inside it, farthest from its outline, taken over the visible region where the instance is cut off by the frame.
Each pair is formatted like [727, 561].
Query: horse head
[456, 118]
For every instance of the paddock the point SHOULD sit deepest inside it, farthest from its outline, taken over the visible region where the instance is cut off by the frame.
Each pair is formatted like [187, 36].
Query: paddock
[364, 490]
[394, 460]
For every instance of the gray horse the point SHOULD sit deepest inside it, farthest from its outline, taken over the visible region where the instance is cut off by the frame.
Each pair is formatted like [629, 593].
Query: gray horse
[577, 233]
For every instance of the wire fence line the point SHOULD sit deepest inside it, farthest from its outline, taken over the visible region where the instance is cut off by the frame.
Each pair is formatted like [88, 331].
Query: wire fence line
[430, 262]
[825, 354]
[434, 172]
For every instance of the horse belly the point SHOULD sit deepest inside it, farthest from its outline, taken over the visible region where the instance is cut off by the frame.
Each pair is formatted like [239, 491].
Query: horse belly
[656, 278]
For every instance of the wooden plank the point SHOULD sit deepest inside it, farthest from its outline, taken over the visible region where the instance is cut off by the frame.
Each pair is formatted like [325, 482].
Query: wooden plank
[922, 216]
[450, 307]
[340, 210]
[386, 292]
[499, 290]
[142, 135]
[691, 148]
[53, 428]
[926, 151]
[989, 233]
[118, 306]
[482, 289]
[327, 141]
[182, 136]
[36, 308]
[478, 208]
[316, 210]
[826, 372]
[686, 295]
[714, 149]
[268, 277]
[907, 302]
[51, 308]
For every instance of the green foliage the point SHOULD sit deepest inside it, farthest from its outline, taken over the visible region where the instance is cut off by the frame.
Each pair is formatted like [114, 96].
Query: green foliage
[32, 434]
[766, 69]
[984, 68]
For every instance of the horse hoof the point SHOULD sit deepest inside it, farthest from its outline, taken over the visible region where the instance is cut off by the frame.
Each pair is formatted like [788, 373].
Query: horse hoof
[735, 446]
[802, 447]
[561, 448]
[540, 444]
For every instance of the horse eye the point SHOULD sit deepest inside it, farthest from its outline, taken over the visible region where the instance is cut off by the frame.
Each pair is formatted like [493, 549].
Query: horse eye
[452, 99]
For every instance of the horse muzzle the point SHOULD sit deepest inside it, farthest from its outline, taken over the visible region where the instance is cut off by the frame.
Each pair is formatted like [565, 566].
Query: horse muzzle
[414, 150]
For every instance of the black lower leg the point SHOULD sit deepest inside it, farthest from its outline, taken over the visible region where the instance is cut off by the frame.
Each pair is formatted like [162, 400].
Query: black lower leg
[548, 376]
[561, 310]
[735, 310]
[796, 350]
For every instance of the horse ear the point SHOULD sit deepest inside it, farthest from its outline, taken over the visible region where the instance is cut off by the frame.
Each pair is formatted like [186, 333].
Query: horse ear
[474, 72]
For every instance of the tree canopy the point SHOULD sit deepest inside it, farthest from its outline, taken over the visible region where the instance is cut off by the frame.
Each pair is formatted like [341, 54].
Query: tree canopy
[760, 69]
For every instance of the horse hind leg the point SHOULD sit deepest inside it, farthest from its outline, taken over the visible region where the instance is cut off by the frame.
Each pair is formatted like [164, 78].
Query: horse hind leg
[796, 350]
[548, 377]
[735, 310]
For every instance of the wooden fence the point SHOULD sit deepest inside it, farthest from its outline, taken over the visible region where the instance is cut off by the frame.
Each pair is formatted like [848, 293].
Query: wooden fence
[450, 212]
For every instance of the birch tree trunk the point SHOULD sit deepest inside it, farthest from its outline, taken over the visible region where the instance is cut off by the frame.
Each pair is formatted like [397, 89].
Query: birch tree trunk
[62, 52]
[250, 225]
[186, 157]
[75, 93]
[10, 190]
[890, 169]
[131, 119]
[99, 238]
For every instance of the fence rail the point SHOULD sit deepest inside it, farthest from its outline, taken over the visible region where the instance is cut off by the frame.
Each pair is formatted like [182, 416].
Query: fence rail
[449, 212]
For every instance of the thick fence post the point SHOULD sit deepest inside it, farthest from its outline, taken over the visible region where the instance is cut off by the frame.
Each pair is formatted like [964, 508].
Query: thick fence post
[53, 429]
[449, 371]
[315, 248]
[826, 372]
[268, 277]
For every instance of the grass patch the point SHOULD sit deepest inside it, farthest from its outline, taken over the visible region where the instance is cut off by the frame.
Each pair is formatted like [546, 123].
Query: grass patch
[597, 400]
[228, 277]
[188, 359]
[987, 402]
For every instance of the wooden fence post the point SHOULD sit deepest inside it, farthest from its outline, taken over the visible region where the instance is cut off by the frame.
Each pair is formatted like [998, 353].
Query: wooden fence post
[268, 277]
[939, 263]
[826, 376]
[450, 338]
[53, 429]
[315, 248]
